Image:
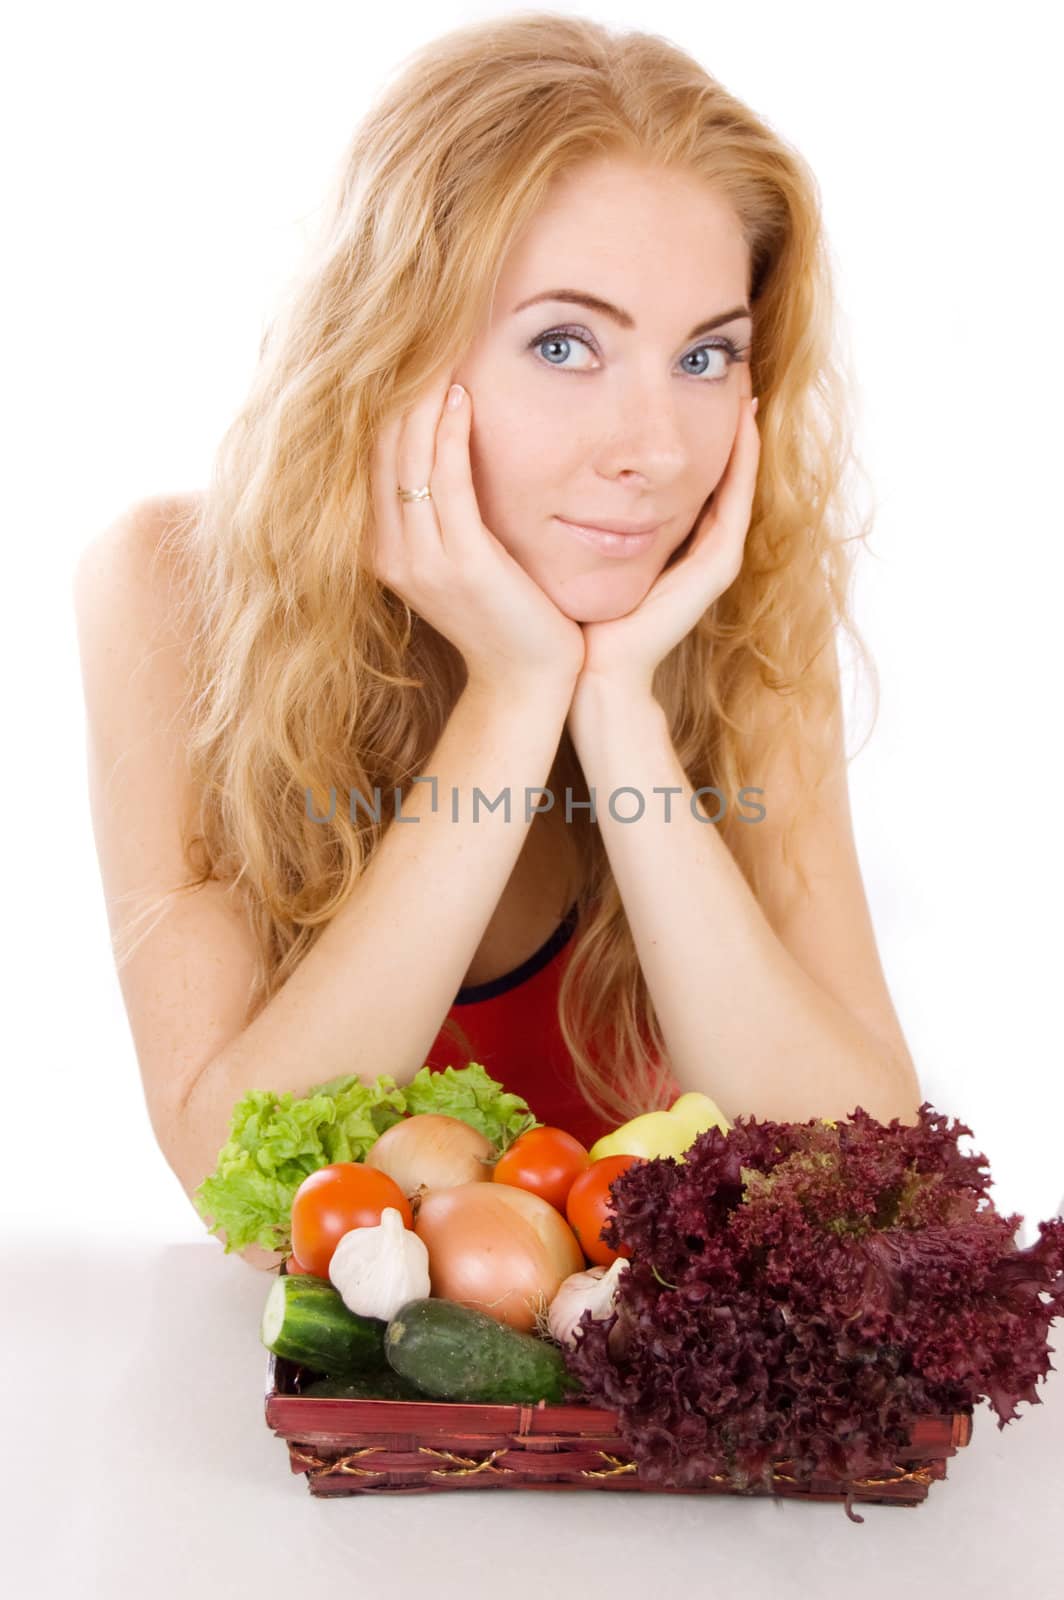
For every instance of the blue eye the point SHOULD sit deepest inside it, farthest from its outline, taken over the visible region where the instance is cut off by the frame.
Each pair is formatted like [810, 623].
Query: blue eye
[566, 335]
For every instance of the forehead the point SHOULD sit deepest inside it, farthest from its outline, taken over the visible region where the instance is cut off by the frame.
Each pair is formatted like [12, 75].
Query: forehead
[630, 233]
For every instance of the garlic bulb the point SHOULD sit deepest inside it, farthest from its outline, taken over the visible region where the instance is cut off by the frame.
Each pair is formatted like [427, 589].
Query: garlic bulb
[379, 1269]
[593, 1290]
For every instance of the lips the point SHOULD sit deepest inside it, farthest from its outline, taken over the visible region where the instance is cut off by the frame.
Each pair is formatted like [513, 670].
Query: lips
[612, 527]
[620, 545]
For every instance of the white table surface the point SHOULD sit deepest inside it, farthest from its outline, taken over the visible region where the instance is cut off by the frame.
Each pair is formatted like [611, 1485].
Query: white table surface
[137, 1460]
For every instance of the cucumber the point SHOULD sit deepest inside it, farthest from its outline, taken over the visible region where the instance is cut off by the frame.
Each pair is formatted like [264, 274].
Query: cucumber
[305, 1320]
[383, 1385]
[453, 1352]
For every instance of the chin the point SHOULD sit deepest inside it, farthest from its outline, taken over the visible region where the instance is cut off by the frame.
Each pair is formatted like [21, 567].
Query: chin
[597, 611]
[602, 595]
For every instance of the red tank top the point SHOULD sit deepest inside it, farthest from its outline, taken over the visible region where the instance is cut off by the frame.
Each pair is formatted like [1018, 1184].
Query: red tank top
[513, 1029]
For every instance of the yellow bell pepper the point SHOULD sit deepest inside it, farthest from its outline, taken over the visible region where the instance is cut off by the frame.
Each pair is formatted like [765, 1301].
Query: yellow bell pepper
[663, 1133]
[699, 1112]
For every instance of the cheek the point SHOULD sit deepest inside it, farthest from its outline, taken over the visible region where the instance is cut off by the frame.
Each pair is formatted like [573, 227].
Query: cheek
[508, 470]
[675, 540]
[518, 458]
[502, 454]
[717, 448]
[678, 546]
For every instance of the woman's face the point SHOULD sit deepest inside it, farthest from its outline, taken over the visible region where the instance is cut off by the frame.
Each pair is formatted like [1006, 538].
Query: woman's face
[625, 417]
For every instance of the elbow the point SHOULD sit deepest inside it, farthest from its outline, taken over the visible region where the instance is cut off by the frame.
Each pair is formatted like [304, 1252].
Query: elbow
[892, 1088]
[190, 1170]
[183, 1148]
[904, 1102]
[910, 1095]
[253, 1254]
[264, 1260]
[908, 1115]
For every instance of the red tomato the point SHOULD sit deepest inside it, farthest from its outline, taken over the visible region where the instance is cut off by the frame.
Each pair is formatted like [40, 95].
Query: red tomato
[545, 1161]
[589, 1204]
[335, 1199]
[294, 1267]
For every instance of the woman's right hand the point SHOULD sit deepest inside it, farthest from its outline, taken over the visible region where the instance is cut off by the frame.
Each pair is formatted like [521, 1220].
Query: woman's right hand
[441, 559]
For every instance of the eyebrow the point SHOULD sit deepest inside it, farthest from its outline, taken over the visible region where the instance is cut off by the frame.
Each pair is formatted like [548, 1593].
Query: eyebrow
[594, 302]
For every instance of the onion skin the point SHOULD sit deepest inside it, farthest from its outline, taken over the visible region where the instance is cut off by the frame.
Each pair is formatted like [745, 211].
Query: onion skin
[498, 1249]
[431, 1151]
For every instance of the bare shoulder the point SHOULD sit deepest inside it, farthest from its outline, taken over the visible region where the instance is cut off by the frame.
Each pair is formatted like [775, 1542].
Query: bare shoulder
[133, 643]
[132, 636]
[128, 563]
[186, 974]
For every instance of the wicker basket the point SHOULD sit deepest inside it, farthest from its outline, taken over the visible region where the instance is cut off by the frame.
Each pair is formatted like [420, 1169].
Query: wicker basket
[347, 1446]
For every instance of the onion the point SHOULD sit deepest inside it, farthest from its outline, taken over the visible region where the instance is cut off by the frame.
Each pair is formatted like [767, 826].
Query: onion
[429, 1151]
[498, 1249]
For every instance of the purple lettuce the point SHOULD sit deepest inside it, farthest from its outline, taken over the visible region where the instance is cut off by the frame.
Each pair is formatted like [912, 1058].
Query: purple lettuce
[806, 1292]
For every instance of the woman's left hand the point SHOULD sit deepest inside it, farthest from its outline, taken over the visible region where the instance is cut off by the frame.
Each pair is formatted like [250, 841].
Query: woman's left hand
[627, 650]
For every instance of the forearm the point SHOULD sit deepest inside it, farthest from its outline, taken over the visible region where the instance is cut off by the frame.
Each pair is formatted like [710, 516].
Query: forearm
[741, 1020]
[372, 993]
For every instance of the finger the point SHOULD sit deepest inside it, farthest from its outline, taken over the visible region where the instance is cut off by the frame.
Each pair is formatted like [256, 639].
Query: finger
[722, 535]
[387, 522]
[461, 527]
[733, 497]
[415, 453]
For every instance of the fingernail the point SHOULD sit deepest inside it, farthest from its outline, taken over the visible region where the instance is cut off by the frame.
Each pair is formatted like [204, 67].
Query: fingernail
[455, 396]
[753, 406]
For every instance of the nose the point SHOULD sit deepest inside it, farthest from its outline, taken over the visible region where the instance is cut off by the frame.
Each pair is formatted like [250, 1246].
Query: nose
[645, 431]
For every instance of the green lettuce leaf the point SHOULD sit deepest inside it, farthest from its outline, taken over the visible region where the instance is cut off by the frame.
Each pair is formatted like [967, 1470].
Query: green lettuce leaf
[467, 1092]
[275, 1141]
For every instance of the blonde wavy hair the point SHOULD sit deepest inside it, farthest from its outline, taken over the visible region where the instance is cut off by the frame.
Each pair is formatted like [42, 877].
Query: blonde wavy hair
[306, 672]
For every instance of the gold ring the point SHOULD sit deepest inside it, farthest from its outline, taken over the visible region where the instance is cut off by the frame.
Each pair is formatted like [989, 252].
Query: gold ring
[416, 494]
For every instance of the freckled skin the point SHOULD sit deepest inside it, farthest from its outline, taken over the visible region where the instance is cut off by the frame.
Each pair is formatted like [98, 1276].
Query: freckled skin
[635, 423]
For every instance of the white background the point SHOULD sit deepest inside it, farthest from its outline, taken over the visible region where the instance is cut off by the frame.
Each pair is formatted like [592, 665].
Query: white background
[164, 165]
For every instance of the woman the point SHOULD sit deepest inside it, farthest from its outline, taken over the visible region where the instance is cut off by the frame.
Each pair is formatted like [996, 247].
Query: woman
[380, 596]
